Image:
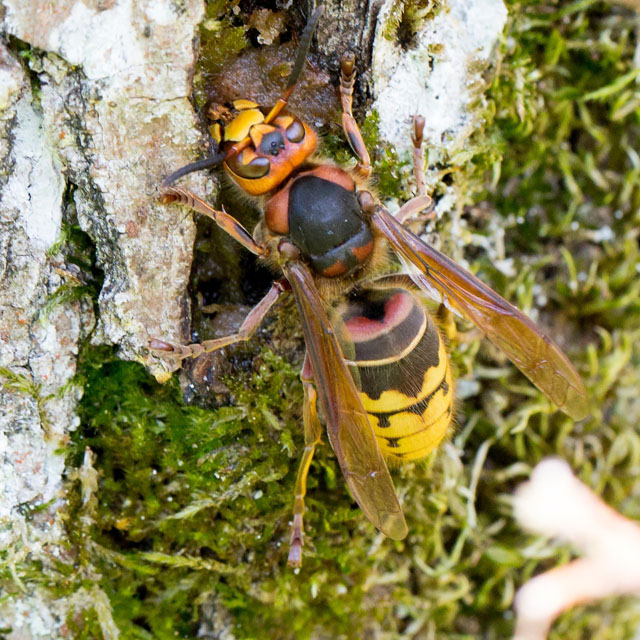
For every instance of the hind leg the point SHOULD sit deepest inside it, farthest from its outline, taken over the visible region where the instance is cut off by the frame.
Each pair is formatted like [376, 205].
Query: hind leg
[312, 434]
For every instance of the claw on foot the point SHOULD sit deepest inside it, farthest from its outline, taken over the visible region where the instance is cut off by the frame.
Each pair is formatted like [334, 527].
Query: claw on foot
[295, 543]
[161, 345]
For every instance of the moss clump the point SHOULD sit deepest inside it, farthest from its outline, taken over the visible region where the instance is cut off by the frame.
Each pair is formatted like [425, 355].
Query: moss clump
[407, 16]
[187, 496]
[222, 35]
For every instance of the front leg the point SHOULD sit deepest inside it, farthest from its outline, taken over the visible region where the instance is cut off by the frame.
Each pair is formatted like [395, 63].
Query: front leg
[221, 218]
[422, 204]
[351, 130]
[247, 329]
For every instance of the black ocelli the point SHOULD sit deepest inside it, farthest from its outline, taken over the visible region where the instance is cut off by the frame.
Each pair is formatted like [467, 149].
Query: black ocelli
[272, 143]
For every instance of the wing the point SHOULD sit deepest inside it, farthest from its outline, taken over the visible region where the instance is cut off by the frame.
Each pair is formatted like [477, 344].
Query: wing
[536, 355]
[348, 426]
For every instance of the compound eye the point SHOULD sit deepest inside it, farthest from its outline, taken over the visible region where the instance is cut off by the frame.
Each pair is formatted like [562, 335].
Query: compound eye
[257, 168]
[272, 143]
[295, 132]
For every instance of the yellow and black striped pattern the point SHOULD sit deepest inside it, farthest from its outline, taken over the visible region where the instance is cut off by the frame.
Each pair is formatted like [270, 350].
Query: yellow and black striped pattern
[404, 372]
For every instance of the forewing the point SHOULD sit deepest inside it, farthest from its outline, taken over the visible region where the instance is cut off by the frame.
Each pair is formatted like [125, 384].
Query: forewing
[348, 426]
[536, 355]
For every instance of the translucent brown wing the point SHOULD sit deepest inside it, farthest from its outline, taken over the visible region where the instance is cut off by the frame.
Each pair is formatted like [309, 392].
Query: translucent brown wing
[350, 433]
[536, 355]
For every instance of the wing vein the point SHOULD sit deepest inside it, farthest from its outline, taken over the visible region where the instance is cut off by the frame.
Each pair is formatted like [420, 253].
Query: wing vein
[534, 353]
[348, 427]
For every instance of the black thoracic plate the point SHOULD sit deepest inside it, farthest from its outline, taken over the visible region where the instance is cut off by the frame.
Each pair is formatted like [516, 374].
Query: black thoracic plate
[325, 223]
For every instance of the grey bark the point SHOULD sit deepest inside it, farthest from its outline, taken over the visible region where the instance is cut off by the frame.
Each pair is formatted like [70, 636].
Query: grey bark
[109, 118]
[346, 24]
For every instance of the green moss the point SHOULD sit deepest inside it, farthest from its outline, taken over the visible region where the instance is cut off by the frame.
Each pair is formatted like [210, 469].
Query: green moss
[406, 17]
[19, 382]
[389, 173]
[222, 37]
[562, 127]
[32, 62]
[81, 278]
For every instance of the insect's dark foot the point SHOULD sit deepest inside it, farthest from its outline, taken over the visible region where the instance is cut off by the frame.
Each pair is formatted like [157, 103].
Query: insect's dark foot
[347, 64]
[417, 135]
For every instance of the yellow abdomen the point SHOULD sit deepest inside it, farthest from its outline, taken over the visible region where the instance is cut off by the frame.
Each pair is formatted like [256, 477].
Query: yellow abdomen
[404, 374]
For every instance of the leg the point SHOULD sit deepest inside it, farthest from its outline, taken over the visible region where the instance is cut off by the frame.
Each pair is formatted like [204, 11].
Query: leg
[312, 433]
[221, 218]
[247, 329]
[413, 207]
[418, 153]
[351, 130]
[423, 201]
[447, 323]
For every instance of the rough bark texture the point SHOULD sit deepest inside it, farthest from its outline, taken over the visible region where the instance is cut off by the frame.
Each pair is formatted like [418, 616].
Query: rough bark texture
[38, 346]
[109, 118]
[348, 24]
[114, 103]
[438, 73]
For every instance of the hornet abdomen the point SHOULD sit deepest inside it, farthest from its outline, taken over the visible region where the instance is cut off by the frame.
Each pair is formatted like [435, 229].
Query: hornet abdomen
[403, 369]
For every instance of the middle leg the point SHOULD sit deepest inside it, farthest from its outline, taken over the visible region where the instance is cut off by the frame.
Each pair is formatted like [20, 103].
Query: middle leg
[246, 330]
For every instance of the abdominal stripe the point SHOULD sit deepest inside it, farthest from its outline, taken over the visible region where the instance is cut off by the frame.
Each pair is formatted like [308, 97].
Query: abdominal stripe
[418, 408]
[425, 356]
[394, 443]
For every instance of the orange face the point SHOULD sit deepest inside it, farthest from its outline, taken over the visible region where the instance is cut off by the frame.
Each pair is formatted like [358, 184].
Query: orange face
[272, 151]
